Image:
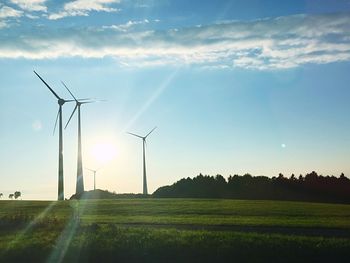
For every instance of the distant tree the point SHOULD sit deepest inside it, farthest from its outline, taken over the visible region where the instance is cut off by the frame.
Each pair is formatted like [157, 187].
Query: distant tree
[311, 177]
[17, 194]
[11, 196]
[220, 179]
[247, 176]
[1, 195]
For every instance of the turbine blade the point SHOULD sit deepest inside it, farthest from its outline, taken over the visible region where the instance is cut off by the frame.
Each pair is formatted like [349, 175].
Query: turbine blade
[54, 128]
[68, 90]
[47, 85]
[151, 131]
[90, 169]
[86, 99]
[76, 106]
[135, 135]
[92, 100]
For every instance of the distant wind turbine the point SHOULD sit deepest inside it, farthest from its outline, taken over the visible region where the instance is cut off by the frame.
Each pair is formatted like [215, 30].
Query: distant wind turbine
[94, 171]
[145, 192]
[60, 102]
[79, 189]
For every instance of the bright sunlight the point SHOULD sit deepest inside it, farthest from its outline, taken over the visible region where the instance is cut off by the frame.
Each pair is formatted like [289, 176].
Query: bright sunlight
[104, 152]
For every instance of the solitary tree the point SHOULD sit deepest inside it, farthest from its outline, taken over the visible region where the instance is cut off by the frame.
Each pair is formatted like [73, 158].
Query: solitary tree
[1, 194]
[11, 196]
[17, 194]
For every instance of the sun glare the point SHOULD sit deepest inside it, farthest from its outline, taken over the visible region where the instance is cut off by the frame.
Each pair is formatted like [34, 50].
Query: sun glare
[104, 152]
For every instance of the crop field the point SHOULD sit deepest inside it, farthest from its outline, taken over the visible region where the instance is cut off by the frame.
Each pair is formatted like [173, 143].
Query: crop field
[173, 230]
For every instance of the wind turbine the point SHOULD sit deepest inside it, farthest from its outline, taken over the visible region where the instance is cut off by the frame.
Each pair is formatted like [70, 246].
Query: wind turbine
[60, 102]
[94, 171]
[145, 192]
[79, 189]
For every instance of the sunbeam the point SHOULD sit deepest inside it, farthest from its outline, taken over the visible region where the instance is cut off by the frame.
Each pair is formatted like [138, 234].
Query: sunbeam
[20, 235]
[152, 98]
[64, 241]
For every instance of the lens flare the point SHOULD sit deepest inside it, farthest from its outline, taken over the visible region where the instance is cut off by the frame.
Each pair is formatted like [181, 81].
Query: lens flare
[104, 152]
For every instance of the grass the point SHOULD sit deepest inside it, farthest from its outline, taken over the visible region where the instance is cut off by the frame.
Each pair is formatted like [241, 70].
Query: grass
[150, 230]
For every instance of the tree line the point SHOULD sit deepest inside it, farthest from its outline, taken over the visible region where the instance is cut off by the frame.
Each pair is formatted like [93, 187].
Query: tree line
[311, 187]
[15, 195]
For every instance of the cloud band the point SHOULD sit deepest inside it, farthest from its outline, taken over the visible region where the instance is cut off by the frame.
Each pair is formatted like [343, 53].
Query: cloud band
[277, 43]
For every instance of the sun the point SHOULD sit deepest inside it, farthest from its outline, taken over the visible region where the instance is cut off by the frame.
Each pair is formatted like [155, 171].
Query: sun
[104, 152]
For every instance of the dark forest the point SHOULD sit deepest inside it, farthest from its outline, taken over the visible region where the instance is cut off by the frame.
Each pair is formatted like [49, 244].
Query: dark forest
[311, 187]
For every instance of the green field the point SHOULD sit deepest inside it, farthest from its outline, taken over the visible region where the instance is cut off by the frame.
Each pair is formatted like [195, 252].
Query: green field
[176, 230]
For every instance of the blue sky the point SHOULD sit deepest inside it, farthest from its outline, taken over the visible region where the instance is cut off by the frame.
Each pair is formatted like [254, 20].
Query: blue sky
[233, 86]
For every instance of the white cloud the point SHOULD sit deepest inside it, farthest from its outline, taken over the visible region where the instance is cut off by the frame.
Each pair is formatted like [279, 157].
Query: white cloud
[91, 5]
[32, 16]
[279, 43]
[83, 7]
[125, 27]
[31, 5]
[8, 12]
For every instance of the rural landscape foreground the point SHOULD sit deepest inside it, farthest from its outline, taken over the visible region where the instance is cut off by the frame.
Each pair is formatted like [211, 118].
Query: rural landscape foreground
[173, 230]
[174, 131]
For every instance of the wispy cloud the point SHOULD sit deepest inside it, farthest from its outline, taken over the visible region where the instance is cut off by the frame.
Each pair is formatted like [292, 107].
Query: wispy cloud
[31, 5]
[277, 43]
[32, 16]
[9, 12]
[125, 27]
[6, 13]
[83, 7]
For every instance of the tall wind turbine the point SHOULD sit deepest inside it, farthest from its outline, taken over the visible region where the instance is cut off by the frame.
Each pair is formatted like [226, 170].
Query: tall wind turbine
[79, 189]
[145, 192]
[94, 171]
[60, 102]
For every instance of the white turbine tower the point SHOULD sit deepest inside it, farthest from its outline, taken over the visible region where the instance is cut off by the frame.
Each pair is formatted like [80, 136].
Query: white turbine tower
[145, 191]
[60, 102]
[80, 176]
[94, 171]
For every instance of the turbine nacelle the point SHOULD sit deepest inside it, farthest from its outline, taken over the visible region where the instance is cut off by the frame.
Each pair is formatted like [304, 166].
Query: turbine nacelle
[61, 102]
[78, 102]
[142, 137]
